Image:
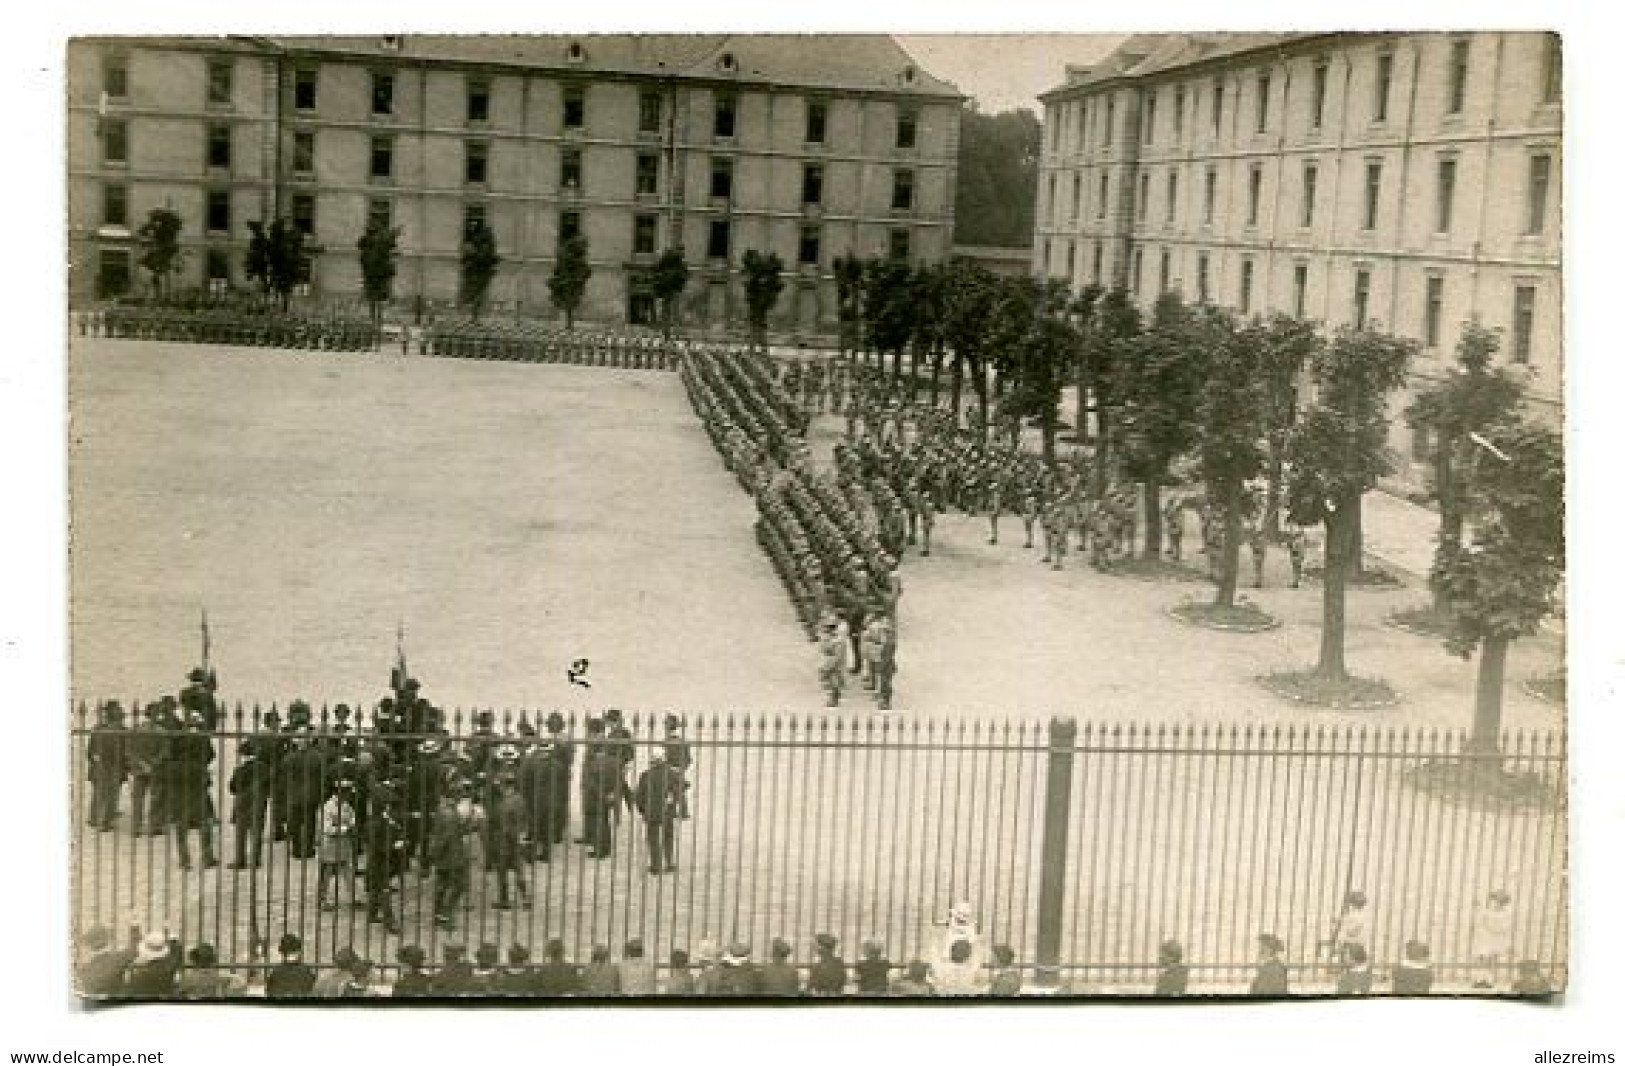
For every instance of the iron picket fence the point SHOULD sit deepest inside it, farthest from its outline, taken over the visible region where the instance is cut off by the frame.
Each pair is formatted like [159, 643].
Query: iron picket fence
[1082, 848]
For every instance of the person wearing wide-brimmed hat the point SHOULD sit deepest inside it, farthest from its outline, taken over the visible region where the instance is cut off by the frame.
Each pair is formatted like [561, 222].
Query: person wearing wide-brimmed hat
[101, 969]
[737, 974]
[152, 971]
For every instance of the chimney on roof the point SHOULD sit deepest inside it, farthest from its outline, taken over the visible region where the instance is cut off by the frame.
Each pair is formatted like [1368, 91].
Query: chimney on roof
[1076, 73]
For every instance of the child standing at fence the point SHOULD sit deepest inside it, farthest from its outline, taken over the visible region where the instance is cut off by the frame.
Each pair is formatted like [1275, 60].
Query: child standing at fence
[337, 849]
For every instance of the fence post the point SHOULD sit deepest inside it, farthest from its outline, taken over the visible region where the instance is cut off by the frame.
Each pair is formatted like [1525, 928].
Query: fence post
[1063, 735]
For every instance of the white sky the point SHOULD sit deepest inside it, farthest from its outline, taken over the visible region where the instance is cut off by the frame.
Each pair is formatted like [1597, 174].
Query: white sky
[1006, 71]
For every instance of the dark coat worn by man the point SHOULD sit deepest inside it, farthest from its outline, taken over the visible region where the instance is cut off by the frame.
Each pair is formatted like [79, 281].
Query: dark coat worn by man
[659, 791]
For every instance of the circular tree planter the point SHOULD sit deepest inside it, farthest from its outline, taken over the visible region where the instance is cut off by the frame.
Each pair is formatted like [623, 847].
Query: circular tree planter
[1481, 783]
[1421, 621]
[1158, 570]
[1244, 617]
[1549, 688]
[1369, 579]
[1350, 694]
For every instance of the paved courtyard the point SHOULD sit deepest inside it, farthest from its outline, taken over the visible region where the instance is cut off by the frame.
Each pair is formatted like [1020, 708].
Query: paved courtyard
[517, 517]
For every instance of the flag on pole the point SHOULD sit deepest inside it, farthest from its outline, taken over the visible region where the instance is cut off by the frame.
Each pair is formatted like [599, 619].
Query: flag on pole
[400, 651]
[204, 626]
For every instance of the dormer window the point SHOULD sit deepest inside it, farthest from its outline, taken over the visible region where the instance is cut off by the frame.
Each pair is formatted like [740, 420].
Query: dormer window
[908, 75]
[575, 53]
[725, 62]
[392, 42]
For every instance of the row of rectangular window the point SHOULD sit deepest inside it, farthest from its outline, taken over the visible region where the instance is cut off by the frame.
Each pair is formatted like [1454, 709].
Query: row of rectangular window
[1523, 296]
[1458, 69]
[1534, 223]
[219, 79]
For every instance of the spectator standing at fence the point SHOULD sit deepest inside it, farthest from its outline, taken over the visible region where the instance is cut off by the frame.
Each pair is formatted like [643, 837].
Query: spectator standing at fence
[290, 978]
[679, 979]
[538, 767]
[1413, 976]
[556, 976]
[413, 982]
[487, 968]
[779, 977]
[1354, 979]
[916, 980]
[600, 977]
[507, 835]
[304, 783]
[828, 974]
[251, 785]
[637, 971]
[203, 978]
[107, 767]
[1173, 976]
[680, 757]
[384, 846]
[186, 785]
[518, 977]
[1005, 979]
[144, 751]
[601, 786]
[1352, 928]
[960, 974]
[1491, 938]
[1269, 976]
[337, 847]
[450, 859]
[564, 753]
[657, 797]
[873, 970]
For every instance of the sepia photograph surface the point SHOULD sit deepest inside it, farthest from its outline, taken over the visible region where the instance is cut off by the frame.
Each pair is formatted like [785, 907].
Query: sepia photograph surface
[798, 515]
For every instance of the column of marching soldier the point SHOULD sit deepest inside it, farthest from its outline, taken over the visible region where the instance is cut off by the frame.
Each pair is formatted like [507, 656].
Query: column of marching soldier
[398, 793]
[836, 538]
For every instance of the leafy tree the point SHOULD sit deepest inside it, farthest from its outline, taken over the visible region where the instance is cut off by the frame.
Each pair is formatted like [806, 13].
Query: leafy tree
[1049, 352]
[1287, 345]
[667, 280]
[849, 300]
[998, 178]
[1083, 310]
[1473, 397]
[927, 297]
[1108, 345]
[1162, 385]
[568, 282]
[276, 257]
[478, 262]
[888, 311]
[1231, 419]
[1336, 453]
[159, 239]
[969, 302]
[1503, 583]
[764, 281]
[378, 256]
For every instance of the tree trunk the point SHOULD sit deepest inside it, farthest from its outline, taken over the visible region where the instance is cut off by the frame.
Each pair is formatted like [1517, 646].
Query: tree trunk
[1492, 662]
[956, 390]
[1357, 539]
[569, 320]
[936, 374]
[1153, 518]
[1272, 498]
[1230, 547]
[1102, 440]
[1079, 422]
[1450, 518]
[979, 376]
[1340, 531]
